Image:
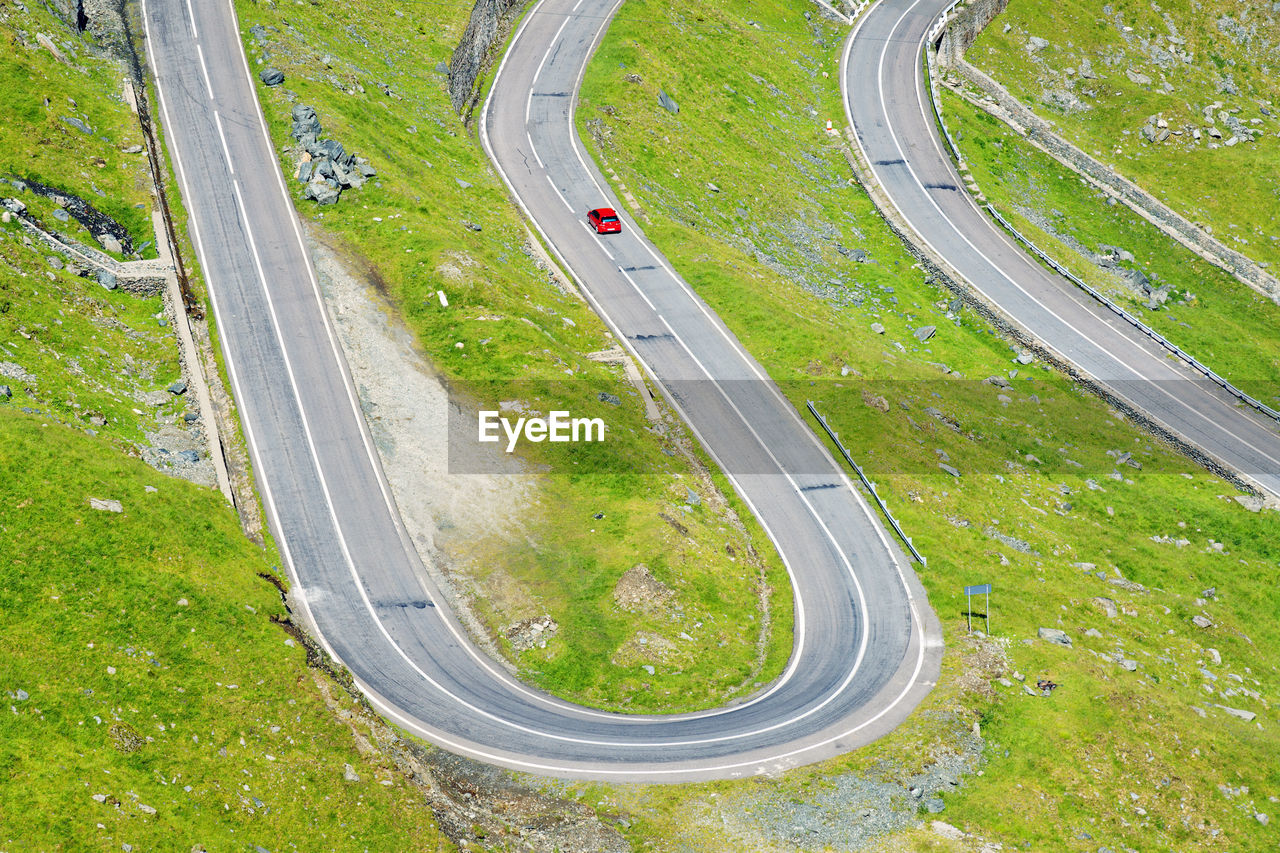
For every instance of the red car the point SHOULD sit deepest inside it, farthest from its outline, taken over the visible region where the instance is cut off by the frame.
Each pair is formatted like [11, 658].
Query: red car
[604, 220]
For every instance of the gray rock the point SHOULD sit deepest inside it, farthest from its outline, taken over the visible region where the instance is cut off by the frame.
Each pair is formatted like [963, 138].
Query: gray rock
[611, 399]
[877, 328]
[1262, 818]
[349, 773]
[1126, 663]
[6, 392]
[1137, 77]
[55, 262]
[1214, 655]
[1053, 635]
[107, 279]
[1036, 43]
[935, 806]
[190, 457]
[78, 124]
[471, 226]
[21, 695]
[949, 469]
[304, 171]
[110, 243]
[1093, 632]
[442, 68]
[271, 76]
[321, 192]
[146, 809]
[667, 102]
[1201, 621]
[1247, 716]
[1025, 358]
[178, 386]
[60, 215]
[692, 497]
[1249, 502]
[648, 668]
[923, 333]
[1106, 605]
[106, 505]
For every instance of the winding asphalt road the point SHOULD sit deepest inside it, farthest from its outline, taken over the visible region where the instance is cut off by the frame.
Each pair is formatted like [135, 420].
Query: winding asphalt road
[888, 105]
[867, 646]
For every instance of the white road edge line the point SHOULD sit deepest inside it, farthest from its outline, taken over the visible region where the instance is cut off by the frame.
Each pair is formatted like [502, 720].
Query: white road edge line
[898, 144]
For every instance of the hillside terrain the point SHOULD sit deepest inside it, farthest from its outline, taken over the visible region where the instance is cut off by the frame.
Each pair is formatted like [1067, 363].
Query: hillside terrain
[157, 690]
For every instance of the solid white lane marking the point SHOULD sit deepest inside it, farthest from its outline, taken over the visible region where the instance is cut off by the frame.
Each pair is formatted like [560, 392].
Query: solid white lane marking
[232, 372]
[1099, 348]
[208, 86]
[217, 119]
[917, 628]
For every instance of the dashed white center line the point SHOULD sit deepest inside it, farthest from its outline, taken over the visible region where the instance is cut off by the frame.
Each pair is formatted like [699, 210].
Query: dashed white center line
[217, 119]
[205, 70]
[191, 15]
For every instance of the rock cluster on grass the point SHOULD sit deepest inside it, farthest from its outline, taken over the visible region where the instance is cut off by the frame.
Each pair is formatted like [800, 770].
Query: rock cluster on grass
[325, 166]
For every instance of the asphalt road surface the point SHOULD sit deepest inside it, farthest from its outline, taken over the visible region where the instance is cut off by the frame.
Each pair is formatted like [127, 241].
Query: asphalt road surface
[867, 646]
[887, 102]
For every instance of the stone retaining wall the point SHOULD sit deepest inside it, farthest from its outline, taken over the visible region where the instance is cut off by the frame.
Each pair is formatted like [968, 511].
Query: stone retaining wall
[995, 99]
[139, 278]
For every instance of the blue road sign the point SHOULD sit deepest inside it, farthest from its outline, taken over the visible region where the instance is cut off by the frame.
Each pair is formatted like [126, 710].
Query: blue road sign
[981, 589]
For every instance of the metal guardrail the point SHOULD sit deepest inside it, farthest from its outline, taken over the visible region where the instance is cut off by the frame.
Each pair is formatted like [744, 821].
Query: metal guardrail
[1151, 333]
[1160, 339]
[870, 486]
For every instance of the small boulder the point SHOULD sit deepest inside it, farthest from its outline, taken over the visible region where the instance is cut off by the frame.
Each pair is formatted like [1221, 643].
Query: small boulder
[1201, 621]
[923, 333]
[106, 505]
[349, 773]
[667, 102]
[1053, 635]
[271, 76]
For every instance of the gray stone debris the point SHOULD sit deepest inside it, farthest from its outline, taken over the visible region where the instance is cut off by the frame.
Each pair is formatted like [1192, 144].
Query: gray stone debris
[78, 124]
[692, 498]
[1106, 605]
[1251, 503]
[326, 167]
[923, 333]
[611, 399]
[271, 76]
[349, 773]
[21, 695]
[106, 505]
[1036, 43]
[1053, 635]
[667, 102]
[1247, 716]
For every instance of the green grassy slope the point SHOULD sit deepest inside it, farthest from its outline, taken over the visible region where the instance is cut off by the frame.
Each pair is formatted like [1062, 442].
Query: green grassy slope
[1199, 65]
[147, 695]
[437, 218]
[1045, 506]
[1227, 325]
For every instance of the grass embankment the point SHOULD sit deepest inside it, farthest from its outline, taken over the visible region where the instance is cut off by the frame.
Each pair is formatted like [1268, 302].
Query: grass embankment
[437, 218]
[1047, 506]
[159, 706]
[1173, 61]
[86, 356]
[1225, 324]
[149, 701]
